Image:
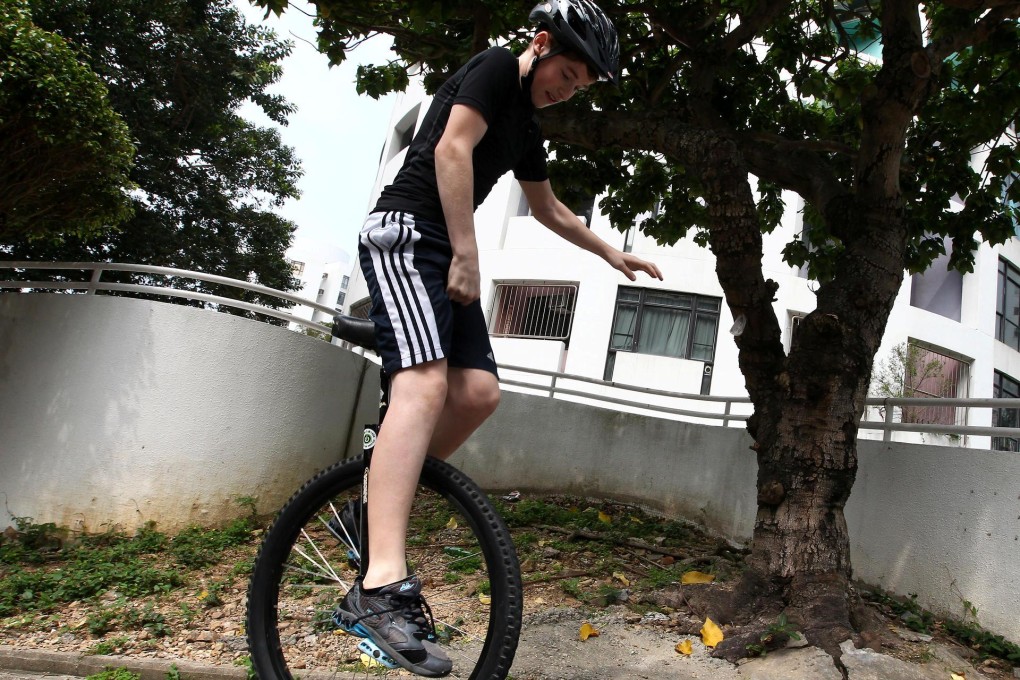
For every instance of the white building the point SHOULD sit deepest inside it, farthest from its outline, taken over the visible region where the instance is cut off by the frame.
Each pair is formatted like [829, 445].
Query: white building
[325, 274]
[555, 307]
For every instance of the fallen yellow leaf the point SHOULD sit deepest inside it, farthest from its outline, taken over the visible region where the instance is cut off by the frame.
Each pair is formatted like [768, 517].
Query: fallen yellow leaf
[588, 630]
[603, 517]
[957, 676]
[452, 524]
[369, 662]
[484, 599]
[696, 577]
[619, 576]
[684, 647]
[711, 634]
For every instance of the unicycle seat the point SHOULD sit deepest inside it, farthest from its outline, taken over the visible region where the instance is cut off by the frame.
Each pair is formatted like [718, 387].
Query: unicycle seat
[360, 332]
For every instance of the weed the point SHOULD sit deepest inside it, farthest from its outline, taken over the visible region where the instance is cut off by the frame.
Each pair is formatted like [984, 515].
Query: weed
[108, 646]
[174, 673]
[100, 622]
[968, 633]
[210, 596]
[115, 674]
[188, 613]
[775, 635]
[983, 642]
[572, 587]
[245, 661]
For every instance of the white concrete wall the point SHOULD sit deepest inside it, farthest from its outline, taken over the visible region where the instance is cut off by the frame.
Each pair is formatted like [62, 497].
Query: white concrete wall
[115, 411]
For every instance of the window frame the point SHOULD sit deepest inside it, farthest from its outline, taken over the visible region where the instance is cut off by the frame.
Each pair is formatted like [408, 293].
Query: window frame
[1007, 273]
[642, 303]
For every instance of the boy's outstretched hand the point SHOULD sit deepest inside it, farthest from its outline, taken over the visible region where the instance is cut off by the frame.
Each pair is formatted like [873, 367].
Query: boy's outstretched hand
[628, 263]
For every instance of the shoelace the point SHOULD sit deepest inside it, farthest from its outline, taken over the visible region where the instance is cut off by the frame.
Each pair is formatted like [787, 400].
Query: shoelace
[416, 610]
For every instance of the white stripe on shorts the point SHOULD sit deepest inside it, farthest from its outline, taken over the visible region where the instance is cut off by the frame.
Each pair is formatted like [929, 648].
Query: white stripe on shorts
[390, 239]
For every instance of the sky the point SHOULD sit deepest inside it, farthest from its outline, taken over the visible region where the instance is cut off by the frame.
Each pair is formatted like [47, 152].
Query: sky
[336, 133]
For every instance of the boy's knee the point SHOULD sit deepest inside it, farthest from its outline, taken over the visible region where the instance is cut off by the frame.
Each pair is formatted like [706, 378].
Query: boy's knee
[487, 399]
[478, 397]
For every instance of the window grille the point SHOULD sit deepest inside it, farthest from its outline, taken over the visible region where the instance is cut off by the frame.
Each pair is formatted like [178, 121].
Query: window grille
[522, 310]
[930, 373]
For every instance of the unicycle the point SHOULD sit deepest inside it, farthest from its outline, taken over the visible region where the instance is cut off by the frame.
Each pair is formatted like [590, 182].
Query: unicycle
[457, 544]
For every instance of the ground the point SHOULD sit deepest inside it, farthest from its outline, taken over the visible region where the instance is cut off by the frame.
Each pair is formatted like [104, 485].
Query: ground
[608, 565]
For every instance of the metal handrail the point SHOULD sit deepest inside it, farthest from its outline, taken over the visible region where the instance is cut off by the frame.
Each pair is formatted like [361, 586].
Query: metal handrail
[95, 284]
[887, 426]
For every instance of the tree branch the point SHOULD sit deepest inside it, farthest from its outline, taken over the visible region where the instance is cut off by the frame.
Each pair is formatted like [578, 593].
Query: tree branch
[752, 23]
[980, 32]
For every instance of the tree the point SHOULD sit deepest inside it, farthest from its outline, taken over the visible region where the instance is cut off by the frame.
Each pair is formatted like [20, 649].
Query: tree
[177, 71]
[778, 89]
[64, 153]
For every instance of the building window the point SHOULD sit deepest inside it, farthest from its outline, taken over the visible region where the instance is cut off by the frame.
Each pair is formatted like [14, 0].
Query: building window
[1004, 387]
[296, 268]
[938, 289]
[403, 131]
[341, 297]
[1010, 198]
[665, 323]
[523, 208]
[628, 239]
[344, 282]
[930, 373]
[523, 310]
[321, 292]
[360, 309]
[1007, 312]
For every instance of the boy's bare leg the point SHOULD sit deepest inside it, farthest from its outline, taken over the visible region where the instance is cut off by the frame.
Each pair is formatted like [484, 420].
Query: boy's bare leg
[417, 399]
[471, 397]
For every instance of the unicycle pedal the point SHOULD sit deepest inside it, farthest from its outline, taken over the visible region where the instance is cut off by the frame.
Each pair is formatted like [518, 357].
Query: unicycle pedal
[366, 646]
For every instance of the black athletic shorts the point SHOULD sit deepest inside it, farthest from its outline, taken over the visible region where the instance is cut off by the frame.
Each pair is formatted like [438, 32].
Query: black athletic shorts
[406, 262]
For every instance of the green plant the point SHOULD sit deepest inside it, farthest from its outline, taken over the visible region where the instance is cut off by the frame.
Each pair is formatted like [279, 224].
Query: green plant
[174, 673]
[114, 674]
[99, 622]
[572, 587]
[986, 644]
[109, 646]
[775, 635]
[210, 596]
[245, 661]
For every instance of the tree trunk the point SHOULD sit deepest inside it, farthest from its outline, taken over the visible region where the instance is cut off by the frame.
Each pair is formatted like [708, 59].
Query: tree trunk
[807, 405]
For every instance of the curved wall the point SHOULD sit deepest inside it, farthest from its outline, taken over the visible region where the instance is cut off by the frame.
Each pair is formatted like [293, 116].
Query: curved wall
[118, 411]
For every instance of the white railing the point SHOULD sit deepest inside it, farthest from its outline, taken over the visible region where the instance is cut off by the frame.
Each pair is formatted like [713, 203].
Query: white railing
[887, 425]
[96, 284]
[722, 409]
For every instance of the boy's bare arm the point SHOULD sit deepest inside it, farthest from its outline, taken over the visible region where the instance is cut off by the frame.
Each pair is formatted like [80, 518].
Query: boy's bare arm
[553, 214]
[454, 176]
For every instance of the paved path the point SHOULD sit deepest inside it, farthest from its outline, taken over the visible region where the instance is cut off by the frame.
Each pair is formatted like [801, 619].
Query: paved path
[550, 649]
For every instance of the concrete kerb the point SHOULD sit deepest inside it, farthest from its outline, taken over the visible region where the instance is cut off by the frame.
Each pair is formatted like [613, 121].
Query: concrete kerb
[67, 663]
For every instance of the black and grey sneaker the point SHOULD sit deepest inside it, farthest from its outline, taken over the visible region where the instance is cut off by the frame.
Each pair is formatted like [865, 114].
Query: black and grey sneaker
[398, 620]
[347, 528]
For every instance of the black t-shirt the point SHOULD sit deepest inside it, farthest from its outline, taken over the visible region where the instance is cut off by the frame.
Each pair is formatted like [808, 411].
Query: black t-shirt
[490, 83]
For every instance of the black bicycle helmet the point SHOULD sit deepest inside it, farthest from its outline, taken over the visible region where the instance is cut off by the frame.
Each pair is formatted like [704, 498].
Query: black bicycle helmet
[581, 27]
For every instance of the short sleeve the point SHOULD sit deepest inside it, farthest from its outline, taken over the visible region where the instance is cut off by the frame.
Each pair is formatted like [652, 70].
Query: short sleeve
[532, 166]
[491, 83]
